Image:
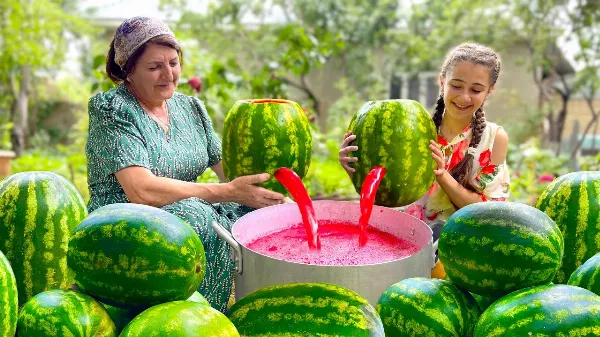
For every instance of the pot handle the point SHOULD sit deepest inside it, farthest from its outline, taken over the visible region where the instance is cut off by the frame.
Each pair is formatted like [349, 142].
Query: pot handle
[433, 249]
[236, 253]
[436, 227]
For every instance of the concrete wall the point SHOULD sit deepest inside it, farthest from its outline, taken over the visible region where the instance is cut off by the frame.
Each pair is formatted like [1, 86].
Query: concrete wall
[516, 91]
[578, 110]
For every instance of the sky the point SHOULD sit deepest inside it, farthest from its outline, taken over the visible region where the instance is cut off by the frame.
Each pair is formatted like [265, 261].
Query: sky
[124, 8]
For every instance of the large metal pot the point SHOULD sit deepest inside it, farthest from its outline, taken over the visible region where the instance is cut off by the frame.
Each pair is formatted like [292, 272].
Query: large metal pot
[254, 270]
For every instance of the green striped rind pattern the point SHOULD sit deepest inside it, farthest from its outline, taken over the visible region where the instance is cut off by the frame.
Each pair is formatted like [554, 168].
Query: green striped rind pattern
[60, 313]
[423, 307]
[394, 134]
[496, 247]
[180, 319]
[262, 137]
[122, 317]
[9, 300]
[573, 202]
[38, 211]
[548, 310]
[132, 255]
[483, 302]
[305, 309]
[587, 276]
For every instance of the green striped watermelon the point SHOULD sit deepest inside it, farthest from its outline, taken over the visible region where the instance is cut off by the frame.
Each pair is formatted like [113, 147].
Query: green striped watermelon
[180, 319]
[122, 317]
[38, 211]
[573, 202]
[427, 308]
[9, 300]
[587, 276]
[394, 134]
[132, 255]
[64, 313]
[547, 310]
[305, 309]
[496, 247]
[262, 135]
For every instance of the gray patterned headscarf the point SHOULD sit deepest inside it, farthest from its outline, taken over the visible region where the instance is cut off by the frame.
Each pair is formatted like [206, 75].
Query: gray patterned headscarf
[133, 33]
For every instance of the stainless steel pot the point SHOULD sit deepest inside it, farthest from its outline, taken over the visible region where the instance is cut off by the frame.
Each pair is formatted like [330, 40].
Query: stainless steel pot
[254, 270]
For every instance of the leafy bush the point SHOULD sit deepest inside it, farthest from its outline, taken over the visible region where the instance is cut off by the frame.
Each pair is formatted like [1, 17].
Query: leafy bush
[54, 161]
[532, 168]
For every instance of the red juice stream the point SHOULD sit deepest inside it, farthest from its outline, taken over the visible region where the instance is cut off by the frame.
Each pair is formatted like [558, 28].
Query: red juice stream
[367, 199]
[292, 182]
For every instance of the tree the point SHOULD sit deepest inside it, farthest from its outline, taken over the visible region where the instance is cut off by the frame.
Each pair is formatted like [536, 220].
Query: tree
[540, 24]
[279, 56]
[586, 32]
[33, 39]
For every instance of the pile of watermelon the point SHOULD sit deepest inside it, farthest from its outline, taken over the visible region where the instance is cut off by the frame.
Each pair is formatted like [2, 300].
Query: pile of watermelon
[511, 270]
[133, 270]
[64, 272]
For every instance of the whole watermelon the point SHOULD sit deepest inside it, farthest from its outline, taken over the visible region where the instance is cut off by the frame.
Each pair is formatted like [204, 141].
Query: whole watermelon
[263, 135]
[547, 310]
[305, 309]
[394, 134]
[496, 247]
[38, 211]
[573, 202]
[64, 313]
[9, 300]
[428, 308]
[135, 256]
[587, 276]
[180, 319]
[122, 317]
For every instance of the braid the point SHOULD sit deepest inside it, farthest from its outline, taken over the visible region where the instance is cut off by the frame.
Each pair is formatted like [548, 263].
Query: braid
[462, 171]
[477, 127]
[439, 112]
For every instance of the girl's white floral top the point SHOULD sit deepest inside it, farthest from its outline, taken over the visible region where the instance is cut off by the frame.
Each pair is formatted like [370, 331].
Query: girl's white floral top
[492, 181]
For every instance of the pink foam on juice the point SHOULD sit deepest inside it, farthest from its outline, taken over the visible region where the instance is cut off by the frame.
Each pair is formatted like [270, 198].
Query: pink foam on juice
[338, 246]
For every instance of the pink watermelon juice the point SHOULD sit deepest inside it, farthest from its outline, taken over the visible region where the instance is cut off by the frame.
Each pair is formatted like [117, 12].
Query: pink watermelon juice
[338, 245]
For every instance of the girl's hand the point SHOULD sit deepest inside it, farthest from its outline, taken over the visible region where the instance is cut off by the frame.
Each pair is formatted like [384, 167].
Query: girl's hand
[439, 156]
[345, 149]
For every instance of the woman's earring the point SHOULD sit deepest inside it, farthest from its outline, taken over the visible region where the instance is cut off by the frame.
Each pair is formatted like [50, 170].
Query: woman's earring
[128, 79]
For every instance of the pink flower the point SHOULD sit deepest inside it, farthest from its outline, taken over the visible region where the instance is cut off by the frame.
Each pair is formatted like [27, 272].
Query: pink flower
[546, 178]
[416, 210]
[195, 83]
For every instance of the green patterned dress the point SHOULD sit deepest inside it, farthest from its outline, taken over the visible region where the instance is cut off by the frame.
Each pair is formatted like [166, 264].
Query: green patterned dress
[122, 134]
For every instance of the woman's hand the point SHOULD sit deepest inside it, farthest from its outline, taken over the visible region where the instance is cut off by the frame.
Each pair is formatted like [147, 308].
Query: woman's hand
[344, 159]
[244, 191]
[440, 158]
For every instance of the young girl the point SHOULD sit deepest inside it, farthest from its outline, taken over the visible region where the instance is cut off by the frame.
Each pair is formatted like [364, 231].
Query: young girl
[470, 152]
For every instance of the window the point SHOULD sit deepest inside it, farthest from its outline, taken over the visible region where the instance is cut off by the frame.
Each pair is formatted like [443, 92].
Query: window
[422, 87]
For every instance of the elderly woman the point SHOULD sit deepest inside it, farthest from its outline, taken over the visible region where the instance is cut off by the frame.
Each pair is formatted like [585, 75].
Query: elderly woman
[148, 144]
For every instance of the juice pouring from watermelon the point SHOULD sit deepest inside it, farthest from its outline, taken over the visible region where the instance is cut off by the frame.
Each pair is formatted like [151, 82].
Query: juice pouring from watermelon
[294, 185]
[367, 199]
[334, 240]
